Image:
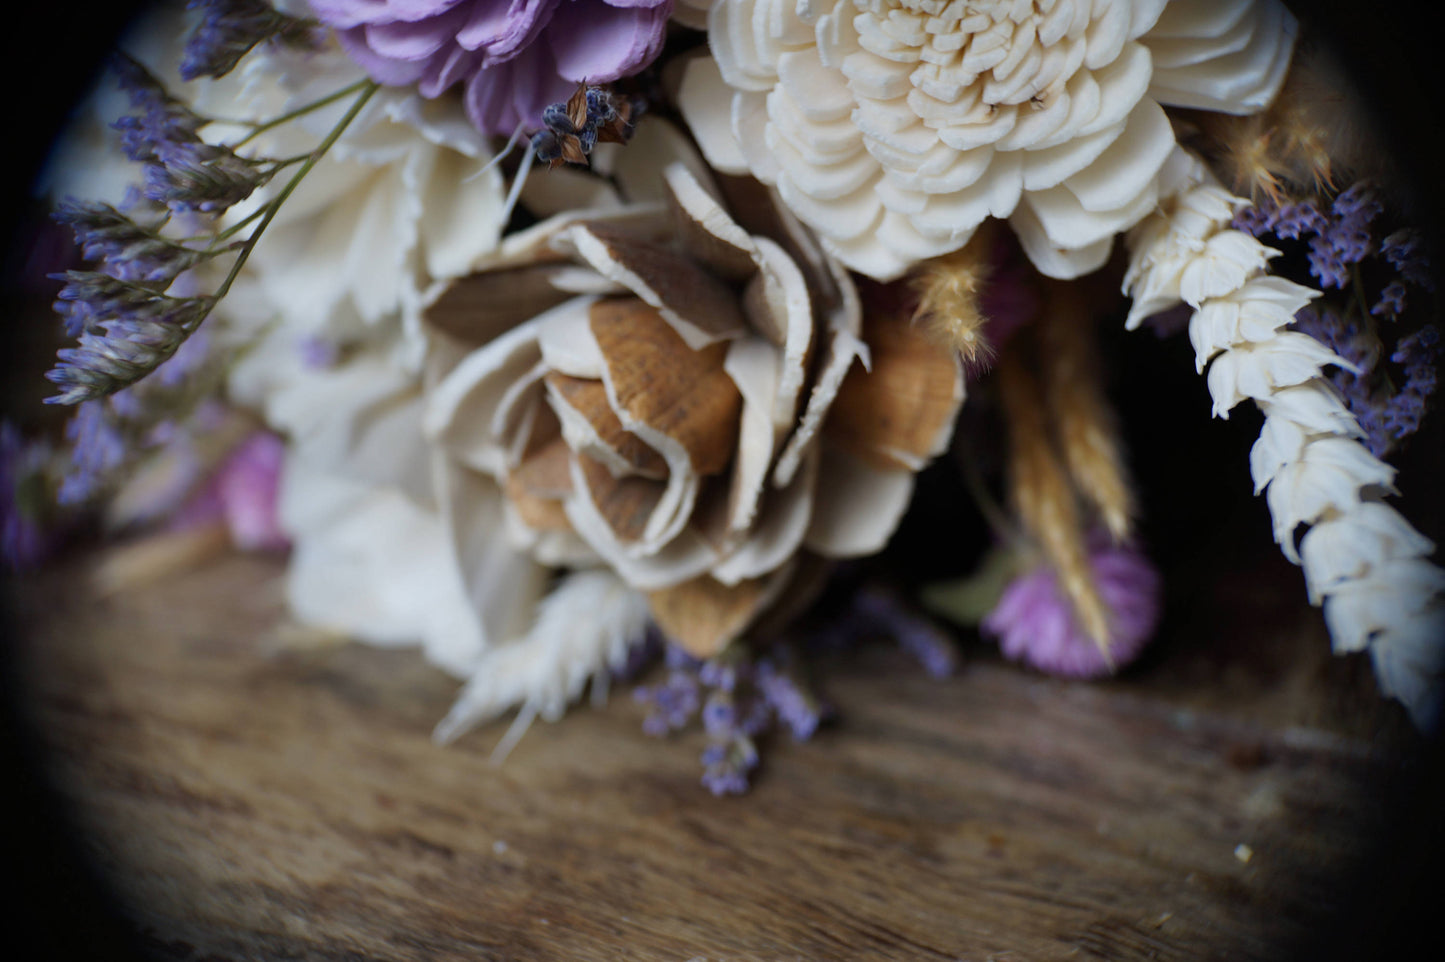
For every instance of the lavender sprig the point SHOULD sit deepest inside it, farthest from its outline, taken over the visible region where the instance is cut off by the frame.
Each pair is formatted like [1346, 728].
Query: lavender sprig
[229, 29]
[1380, 284]
[127, 249]
[737, 697]
[127, 325]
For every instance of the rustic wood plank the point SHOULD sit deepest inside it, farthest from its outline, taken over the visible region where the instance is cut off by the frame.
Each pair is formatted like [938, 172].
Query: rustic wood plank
[249, 800]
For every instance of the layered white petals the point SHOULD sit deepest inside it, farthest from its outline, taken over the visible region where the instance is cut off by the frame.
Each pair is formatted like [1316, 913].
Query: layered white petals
[1256, 369]
[401, 202]
[1361, 559]
[895, 127]
[1345, 548]
[371, 553]
[371, 563]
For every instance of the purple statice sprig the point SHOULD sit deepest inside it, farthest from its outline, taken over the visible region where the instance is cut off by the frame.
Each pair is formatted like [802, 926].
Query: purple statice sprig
[1388, 409]
[127, 323]
[108, 435]
[230, 29]
[28, 524]
[737, 697]
[127, 247]
[1376, 290]
[1417, 354]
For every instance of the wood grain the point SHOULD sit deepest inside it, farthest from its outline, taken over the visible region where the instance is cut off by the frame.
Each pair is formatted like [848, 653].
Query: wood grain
[249, 799]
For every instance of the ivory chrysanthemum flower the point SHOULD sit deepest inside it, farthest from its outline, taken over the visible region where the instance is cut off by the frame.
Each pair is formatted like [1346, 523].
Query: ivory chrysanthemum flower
[895, 127]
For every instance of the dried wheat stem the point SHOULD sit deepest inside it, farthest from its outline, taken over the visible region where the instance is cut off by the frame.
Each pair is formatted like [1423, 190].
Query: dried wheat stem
[1087, 434]
[1045, 500]
[948, 290]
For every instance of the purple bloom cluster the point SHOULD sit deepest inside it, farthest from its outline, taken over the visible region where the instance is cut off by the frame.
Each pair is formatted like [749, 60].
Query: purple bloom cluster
[1405, 250]
[242, 492]
[1416, 354]
[126, 322]
[879, 611]
[127, 247]
[25, 536]
[1035, 622]
[1338, 238]
[1381, 281]
[737, 698]
[1344, 239]
[1288, 220]
[229, 29]
[98, 447]
[1386, 413]
[513, 59]
[106, 434]
[182, 172]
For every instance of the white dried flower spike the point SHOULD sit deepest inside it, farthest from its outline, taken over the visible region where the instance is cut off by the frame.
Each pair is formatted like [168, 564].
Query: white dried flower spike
[895, 127]
[1362, 560]
[584, 629]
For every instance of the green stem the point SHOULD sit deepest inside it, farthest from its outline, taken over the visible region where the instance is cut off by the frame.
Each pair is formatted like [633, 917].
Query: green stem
[368, 87]
[237, 227]
[326, 101]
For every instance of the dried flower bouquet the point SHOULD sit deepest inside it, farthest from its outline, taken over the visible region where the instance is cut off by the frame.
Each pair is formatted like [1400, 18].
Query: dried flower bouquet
[560, 337]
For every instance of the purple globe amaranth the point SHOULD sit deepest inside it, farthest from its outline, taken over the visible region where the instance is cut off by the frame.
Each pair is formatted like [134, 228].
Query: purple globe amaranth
[1035, 623]
[514, 57]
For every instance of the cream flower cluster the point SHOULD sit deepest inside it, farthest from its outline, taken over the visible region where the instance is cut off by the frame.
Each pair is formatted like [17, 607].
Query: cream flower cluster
[403, 201]
[1363, 561]
[895, 127]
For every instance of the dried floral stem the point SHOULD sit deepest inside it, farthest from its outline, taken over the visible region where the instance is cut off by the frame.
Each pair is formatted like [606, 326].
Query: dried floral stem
[260, 128]
[367, 89]
[948, 290]
[1087, 434]
[1044, 498]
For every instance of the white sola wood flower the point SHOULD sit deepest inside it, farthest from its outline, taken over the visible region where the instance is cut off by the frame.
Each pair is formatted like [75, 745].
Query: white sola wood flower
[895, 127]
[1362, 560]
[405, 199]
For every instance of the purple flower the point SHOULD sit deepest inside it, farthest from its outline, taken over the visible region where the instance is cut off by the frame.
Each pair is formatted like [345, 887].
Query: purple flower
[249, 482]
[242, 493]
[1035, 622]
[1417, 353]
[513, 57]
[25, 539]
[97, 449]
[885, 612]
[1391, 302]
[1405, 250]
[227, 32]
[160, 118]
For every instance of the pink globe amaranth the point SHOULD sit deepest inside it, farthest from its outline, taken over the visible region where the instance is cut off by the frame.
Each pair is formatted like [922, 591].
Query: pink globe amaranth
[1035, 623]
[514, 57]
[242, 493]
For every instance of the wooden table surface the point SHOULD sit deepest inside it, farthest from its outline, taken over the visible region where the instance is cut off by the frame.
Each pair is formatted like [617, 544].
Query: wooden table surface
[248, 799]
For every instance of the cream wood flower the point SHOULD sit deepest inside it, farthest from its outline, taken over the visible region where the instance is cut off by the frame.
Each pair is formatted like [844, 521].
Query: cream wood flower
[401, 202]
[373, 553]
[1362, 561]
[681, 394]
[895, 127]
